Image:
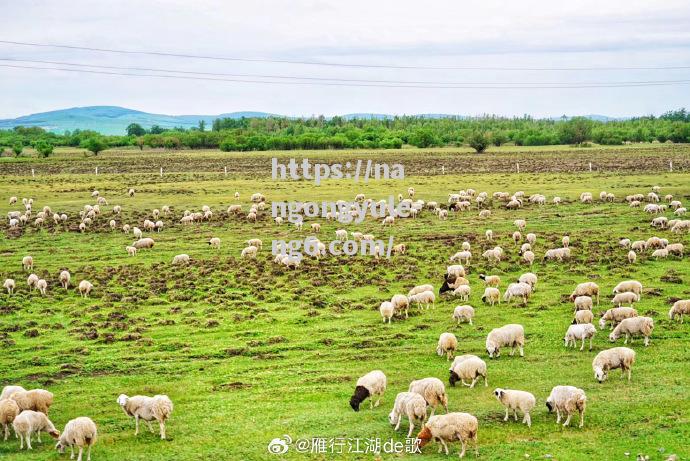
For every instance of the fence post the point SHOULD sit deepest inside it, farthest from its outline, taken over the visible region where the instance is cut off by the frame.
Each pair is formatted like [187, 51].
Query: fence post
[517, 165]
[590, 167]
[33, 174]
[443, 169]
[225, 169]
[96, 171]
[670, 165]
[161, 172]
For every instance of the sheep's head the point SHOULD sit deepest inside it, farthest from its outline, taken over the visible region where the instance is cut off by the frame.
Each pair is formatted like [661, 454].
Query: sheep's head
[600, 374]
[549, 405]
[54, 434]
[423, 437]
[358, 397]
[613, 336]
[122, 399]
[498, 392]
[453, 378]
[392, 418]
[492, 349]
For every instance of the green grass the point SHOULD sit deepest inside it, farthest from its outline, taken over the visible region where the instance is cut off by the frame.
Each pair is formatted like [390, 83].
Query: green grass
[248, 351]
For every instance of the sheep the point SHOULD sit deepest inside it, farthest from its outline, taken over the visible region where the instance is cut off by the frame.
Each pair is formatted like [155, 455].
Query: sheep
[461, 313]
[13, 200]
[530, 279]
[616, 315]
[255, 242]
[372, 386]
[493, 255]
[464, 257]
[586, 289]
[638, 245]
[490, 280]
[515, 290]
[631, 327]
[557, 200]
[628, 298]
[463, 292]
[583, 303]
[145, 243]
[467, 367]
[520, 224]
[675, 249]
[610, 359]
[35, 399]
[585, 316]
[400, 248]
[456, 270]
[27, 263]
[531, 238]
[679, 308]
[42, 286]
[512, 335]
[449, 428]
[387, 310]
[7, 391]
[249, 252]
[447, 343]
[410, 404]
[485, 214]
[81, 432]
[234, 209]
[420, 289]
[401, 303]
[158, 407]
[32, 280]
[489, 234]
[517, 236]
[29, 422]
[424, 298]
[557, 254]
[579, 331]
[680, 211]
[290, 261]
[567, 399]
[516, 400]
[9, 285]
[433, 391]
[181, 259]
[85, 288]
[491, 296]
[9, 410]
[632, 257]
[214, 242]
[632, 286]
[660, 253]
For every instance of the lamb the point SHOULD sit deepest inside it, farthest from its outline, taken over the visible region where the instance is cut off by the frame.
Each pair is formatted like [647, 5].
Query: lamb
[9, 285]
[410, 404]
[583, 317]
[679, 308]
[144, 243]
[7, 391]
[631, 327]
[465, 313]
[387, 310]
[627, 297]
[65, 278]
[29, 422]
[8, 412]
[424, 298]
[81, 432]
[449, 428]
[467, 367]
[490, 280]
[372, 386]
[158, 407]
[567, 399]
[616, 315]
[581, 331]
[85, 288]
[401, 303]
[433, 391]
[491, 296]
[249, 252]
[27, 263]
[516, 400]
[586, 289]
[42, 286]
[632, 286]
[132, 251]
[512, 335]
[610, 359]
[518, 290]
[420, 289]
[447, 344]
[181, 259]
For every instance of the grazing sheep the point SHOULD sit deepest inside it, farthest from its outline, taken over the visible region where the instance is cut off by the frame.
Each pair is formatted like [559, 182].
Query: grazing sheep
[9, 285]
[27, 263]
[528, 257]
[411, 405]
[491, 296]
[420, 289]
[679, 308]
[616, 315]
[34, 399]
[463, 292]
[255, 242]
[464, 313]
[81, 432]
[31, 280]
[585, 316]
[29, 422]
[626, 297]
[586, 289]
[489, 234]
[132, 251]
[7, 391]
[493, 255]
[580, 331]
[512, 335]
[532, 238]
[464, 257]
[214, 242]
[518, 290]
[181, 259]
[516, 400]
[158, 407]
[632, 286]
[400, 248]
[583, 303]
[9, 410]
[675, 249]
[65, 279]
[144, 243]
[401, 303]
[372, 386]
[632, 257]
[42, 286]
[631, 327]
[423, 299]
[387, 310]
[249, 252]
[557, 254]
[610, 359]
[567, 399]
[490, 280]
[450, 427]
[467, 367]
[85, 288]
[520, 224]
[660, 253]
[517, 236]
[433, 391]
[447, 344]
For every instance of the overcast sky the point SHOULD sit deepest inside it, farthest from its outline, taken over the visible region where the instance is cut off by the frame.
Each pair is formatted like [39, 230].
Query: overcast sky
[455, 33]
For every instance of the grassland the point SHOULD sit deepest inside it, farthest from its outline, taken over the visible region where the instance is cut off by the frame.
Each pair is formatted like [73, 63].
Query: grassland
[249, 351]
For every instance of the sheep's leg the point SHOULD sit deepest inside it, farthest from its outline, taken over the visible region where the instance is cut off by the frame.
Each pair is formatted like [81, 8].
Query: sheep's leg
[558, 416]
[527, 419]
[162, 428]
[39, 436]
[136, 425]
[462, 443]
[397, 426]
[88, 453]
[629, 373]
[71, 450]
[646, 340]
[433, 409]
[378, 401]
[411, 421]
[582, 418]
[470, 321]
[626, 339]
[583, 344]
[443, 445]
[567, 420]
[522, 351]
[515, 414]
[81, 450]
[464, 383]
[474, 381]
[512, 351]
[486, 382]
[590, 343]
[7, 431]
[150, 427]
[28, 442]
[506, 417]
[21, 442]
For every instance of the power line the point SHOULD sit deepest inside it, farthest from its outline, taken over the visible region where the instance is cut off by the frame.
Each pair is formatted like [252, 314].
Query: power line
[336, 64]
[335, 79]
[467, 86]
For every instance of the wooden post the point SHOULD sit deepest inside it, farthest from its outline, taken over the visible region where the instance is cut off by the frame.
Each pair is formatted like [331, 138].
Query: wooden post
[96, 171]
[670, 165]
[590, 167]
[517, 165]
[161, 172]
[225, 169]
[443, 169]
[33, 174]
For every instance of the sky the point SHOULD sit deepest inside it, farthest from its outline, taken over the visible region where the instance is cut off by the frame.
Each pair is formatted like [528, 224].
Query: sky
[484, 35]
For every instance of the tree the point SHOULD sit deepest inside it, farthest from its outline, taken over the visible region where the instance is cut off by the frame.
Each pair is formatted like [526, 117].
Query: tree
[424, 137]
[576, 130]
[478, 141]
[139, 142]
[44, 148]
[202, 125]
[94, 144]
[134, 129]
[498, 138]
[17, 149]
[155, 129]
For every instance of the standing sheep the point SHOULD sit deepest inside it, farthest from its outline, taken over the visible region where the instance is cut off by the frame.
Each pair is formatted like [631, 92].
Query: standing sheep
[491, 296]
[516, 400]
[401, 303]
[567, 399]
[679, 308]
[372, 386]
[465, 313]
[9, 285]
[433, 391]
[8, 412]
[610, 359]
[85, 288]
[512, 335]
[450, 427]
[583, 317]
[158, 407]
[586, 289]
[616, 315]
[81, 432]
[631, 327]
[65, 278]
[27, 263]
[387, 310]
[581, 331]
[35, 399]
[447, 343]
[29, 422]
[214, 243]
[411, 405]
[632, 286]
[467, 367]
[626, 297]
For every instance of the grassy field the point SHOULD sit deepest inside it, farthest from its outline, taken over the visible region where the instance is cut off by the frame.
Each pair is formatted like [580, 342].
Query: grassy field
[249, 351]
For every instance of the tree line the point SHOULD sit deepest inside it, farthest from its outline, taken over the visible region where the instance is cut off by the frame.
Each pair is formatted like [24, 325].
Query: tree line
[281, 133]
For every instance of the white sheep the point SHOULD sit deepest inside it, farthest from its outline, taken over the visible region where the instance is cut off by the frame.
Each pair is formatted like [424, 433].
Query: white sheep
[631, 327]
[387, 310]
[449, 428]
[31, 280]
[85, 288]
[447, 344]
[491, 296]
[249, 252]
[568, 400]
[81, 432]
[27, 263]
[528, 257]
[586, 289]
[616, 315]
[9, 410]
[516, 400]
[420, 289]
[512, 335]
[7, 391]
[214, 242]
[679, 308]
[632, 286]
[181, 259]
[132, 251]
[423, 299]
[411, 405]
[627, 297]
[463, 292]
[158, 407]
[433, 391]
[583, 303]
[580, 331]
[144, 243]
[675, 249]
[584, 317]
[42, 286]
[9, 285]
[64, 279]
[372, 386]
[632, 257]
[463, 313]
[29, 422]
[518, 290]
[467, 367]
[610, 359]
[490, 280]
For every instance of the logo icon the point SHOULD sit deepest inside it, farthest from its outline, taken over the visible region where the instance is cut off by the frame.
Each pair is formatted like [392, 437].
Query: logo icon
[279, 446]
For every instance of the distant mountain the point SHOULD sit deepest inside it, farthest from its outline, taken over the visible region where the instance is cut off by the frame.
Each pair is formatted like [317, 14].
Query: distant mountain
[114, 120]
